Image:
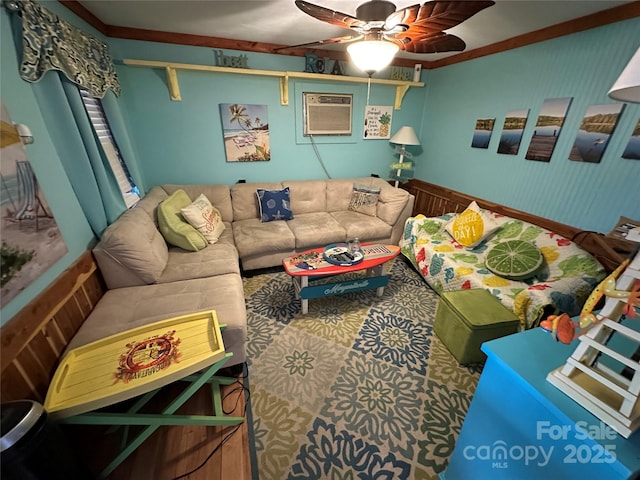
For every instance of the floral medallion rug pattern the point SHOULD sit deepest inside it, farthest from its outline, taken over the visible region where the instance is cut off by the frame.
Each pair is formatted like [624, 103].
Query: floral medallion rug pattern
[358, 388]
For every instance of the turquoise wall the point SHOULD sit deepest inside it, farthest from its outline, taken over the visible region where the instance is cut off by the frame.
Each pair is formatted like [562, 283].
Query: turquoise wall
[19, 99]
[182, 142]
[582, 66]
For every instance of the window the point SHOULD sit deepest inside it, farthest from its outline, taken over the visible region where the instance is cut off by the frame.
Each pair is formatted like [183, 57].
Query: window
[98, 119]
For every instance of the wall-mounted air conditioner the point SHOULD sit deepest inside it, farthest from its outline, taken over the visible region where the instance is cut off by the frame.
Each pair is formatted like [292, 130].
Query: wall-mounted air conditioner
[327, 114]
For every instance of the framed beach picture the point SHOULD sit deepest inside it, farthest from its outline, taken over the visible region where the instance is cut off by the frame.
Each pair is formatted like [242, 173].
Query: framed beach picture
[31, 240]
[548, 127]
[514, 124]
[632, 150]
[482, 132]
[245, 129]
[596, 128]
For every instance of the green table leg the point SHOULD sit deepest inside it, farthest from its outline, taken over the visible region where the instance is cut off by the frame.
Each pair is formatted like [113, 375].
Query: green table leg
[154, 421]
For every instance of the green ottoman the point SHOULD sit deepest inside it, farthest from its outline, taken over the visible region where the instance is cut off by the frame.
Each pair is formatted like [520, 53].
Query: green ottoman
[467, 318]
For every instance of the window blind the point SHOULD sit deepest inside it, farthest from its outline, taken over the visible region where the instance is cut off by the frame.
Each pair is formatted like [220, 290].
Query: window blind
[101, 127]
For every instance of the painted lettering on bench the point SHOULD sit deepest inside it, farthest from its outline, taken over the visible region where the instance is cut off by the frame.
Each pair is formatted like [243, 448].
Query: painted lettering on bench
[342, 288]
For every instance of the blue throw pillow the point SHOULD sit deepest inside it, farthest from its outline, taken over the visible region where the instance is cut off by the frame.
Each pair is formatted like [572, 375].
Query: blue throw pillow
[274, 204]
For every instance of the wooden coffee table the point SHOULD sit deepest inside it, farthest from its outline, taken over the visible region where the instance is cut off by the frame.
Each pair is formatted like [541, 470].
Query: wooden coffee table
[305, 267]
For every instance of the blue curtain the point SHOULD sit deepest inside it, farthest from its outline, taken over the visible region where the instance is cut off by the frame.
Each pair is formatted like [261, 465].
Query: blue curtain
[57, 57]
[79, 150]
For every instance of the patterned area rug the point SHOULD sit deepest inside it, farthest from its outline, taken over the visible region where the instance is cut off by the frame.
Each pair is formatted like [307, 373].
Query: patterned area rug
[360, 387]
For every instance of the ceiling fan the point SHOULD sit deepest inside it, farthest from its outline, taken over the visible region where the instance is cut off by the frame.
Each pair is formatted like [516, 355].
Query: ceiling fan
[416, 29]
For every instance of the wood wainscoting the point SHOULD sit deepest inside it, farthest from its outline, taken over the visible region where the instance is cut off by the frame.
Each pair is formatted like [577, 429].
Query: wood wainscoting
[433, 200]
[35, 338]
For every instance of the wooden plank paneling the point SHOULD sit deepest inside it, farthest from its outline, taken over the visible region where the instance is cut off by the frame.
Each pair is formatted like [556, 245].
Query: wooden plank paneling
[14, 385]
[451, 201]
[433, 200]
[33, 340]
[35, 374]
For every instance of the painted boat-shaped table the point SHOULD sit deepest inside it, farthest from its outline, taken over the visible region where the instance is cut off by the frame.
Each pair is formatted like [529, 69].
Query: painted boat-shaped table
[137, 363]
[131, 363]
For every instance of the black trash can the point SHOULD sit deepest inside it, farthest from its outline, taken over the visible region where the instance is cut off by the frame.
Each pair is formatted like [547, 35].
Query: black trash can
[33, 448]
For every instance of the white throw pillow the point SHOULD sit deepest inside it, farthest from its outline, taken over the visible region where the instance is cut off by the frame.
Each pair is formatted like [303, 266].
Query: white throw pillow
[364, 200]
[205, 218]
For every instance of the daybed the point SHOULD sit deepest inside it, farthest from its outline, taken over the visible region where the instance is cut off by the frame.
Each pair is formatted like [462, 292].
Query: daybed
[562, 282]
[149, 278]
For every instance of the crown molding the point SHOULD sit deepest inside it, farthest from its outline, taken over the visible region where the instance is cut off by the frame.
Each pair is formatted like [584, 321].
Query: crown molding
[605, 17]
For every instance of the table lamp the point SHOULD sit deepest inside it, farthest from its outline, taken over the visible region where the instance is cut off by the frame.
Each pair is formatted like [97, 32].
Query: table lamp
[401, 170]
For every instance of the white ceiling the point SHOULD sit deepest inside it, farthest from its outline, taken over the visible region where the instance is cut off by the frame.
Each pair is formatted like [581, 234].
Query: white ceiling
[280, 21]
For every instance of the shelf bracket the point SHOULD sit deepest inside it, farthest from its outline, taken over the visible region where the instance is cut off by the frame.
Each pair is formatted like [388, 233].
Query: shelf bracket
[172, 83]
[284, 89]
[400, 92]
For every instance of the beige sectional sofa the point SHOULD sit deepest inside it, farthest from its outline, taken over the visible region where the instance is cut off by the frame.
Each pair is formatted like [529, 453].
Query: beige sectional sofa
[150, 280]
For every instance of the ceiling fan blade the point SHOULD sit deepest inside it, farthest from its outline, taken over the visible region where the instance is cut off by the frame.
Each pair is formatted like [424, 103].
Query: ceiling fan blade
[435, 16]
[405, 16]
[436, 43]
[328, 41]
[332, 17]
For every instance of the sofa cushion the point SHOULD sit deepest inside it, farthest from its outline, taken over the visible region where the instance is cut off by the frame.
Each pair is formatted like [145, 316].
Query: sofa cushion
[132, 242]
[205, 218]
[364, 199]
[472, 226]
[365, 227]
[244, 200]
[316, 229]
[219, 196]
[274, 204]
[391, 203]
[214, 260]
[174, 228]
[255, 237]
[307, 196]
[149, 203]
[122, 309]
[339, 193]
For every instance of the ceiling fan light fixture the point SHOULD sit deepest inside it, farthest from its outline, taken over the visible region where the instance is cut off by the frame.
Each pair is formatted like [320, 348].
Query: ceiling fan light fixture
[371, 56]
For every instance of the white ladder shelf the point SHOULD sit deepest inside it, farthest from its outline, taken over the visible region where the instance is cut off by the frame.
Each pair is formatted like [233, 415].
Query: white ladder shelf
[607, 394]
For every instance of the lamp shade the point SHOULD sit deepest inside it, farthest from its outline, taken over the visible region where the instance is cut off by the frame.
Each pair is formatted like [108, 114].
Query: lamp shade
[405, 136]
[371, 56]
[627, 87]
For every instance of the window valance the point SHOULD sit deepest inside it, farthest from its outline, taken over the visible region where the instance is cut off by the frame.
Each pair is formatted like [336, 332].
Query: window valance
[51, 43]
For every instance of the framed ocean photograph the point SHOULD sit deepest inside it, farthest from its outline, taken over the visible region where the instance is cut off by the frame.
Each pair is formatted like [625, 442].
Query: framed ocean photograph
[482, 132]
[632, 150]
[547, 130]
[245, 129]
[597, 126]
[511, 136]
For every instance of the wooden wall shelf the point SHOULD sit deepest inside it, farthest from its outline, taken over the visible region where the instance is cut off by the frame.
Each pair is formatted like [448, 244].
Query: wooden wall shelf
[174, 88]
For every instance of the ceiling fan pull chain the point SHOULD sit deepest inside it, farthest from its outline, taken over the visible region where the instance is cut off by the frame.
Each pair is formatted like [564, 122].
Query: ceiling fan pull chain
[368, 89]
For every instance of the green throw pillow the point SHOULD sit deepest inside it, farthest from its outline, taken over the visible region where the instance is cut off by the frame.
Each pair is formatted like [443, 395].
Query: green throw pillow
[173, 226]
[514, 259]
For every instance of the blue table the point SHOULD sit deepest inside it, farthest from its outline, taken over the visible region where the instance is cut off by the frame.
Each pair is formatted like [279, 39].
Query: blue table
[519, 426]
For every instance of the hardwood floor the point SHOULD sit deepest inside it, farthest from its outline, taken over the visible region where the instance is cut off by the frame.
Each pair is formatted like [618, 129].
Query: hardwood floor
[173, 452]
